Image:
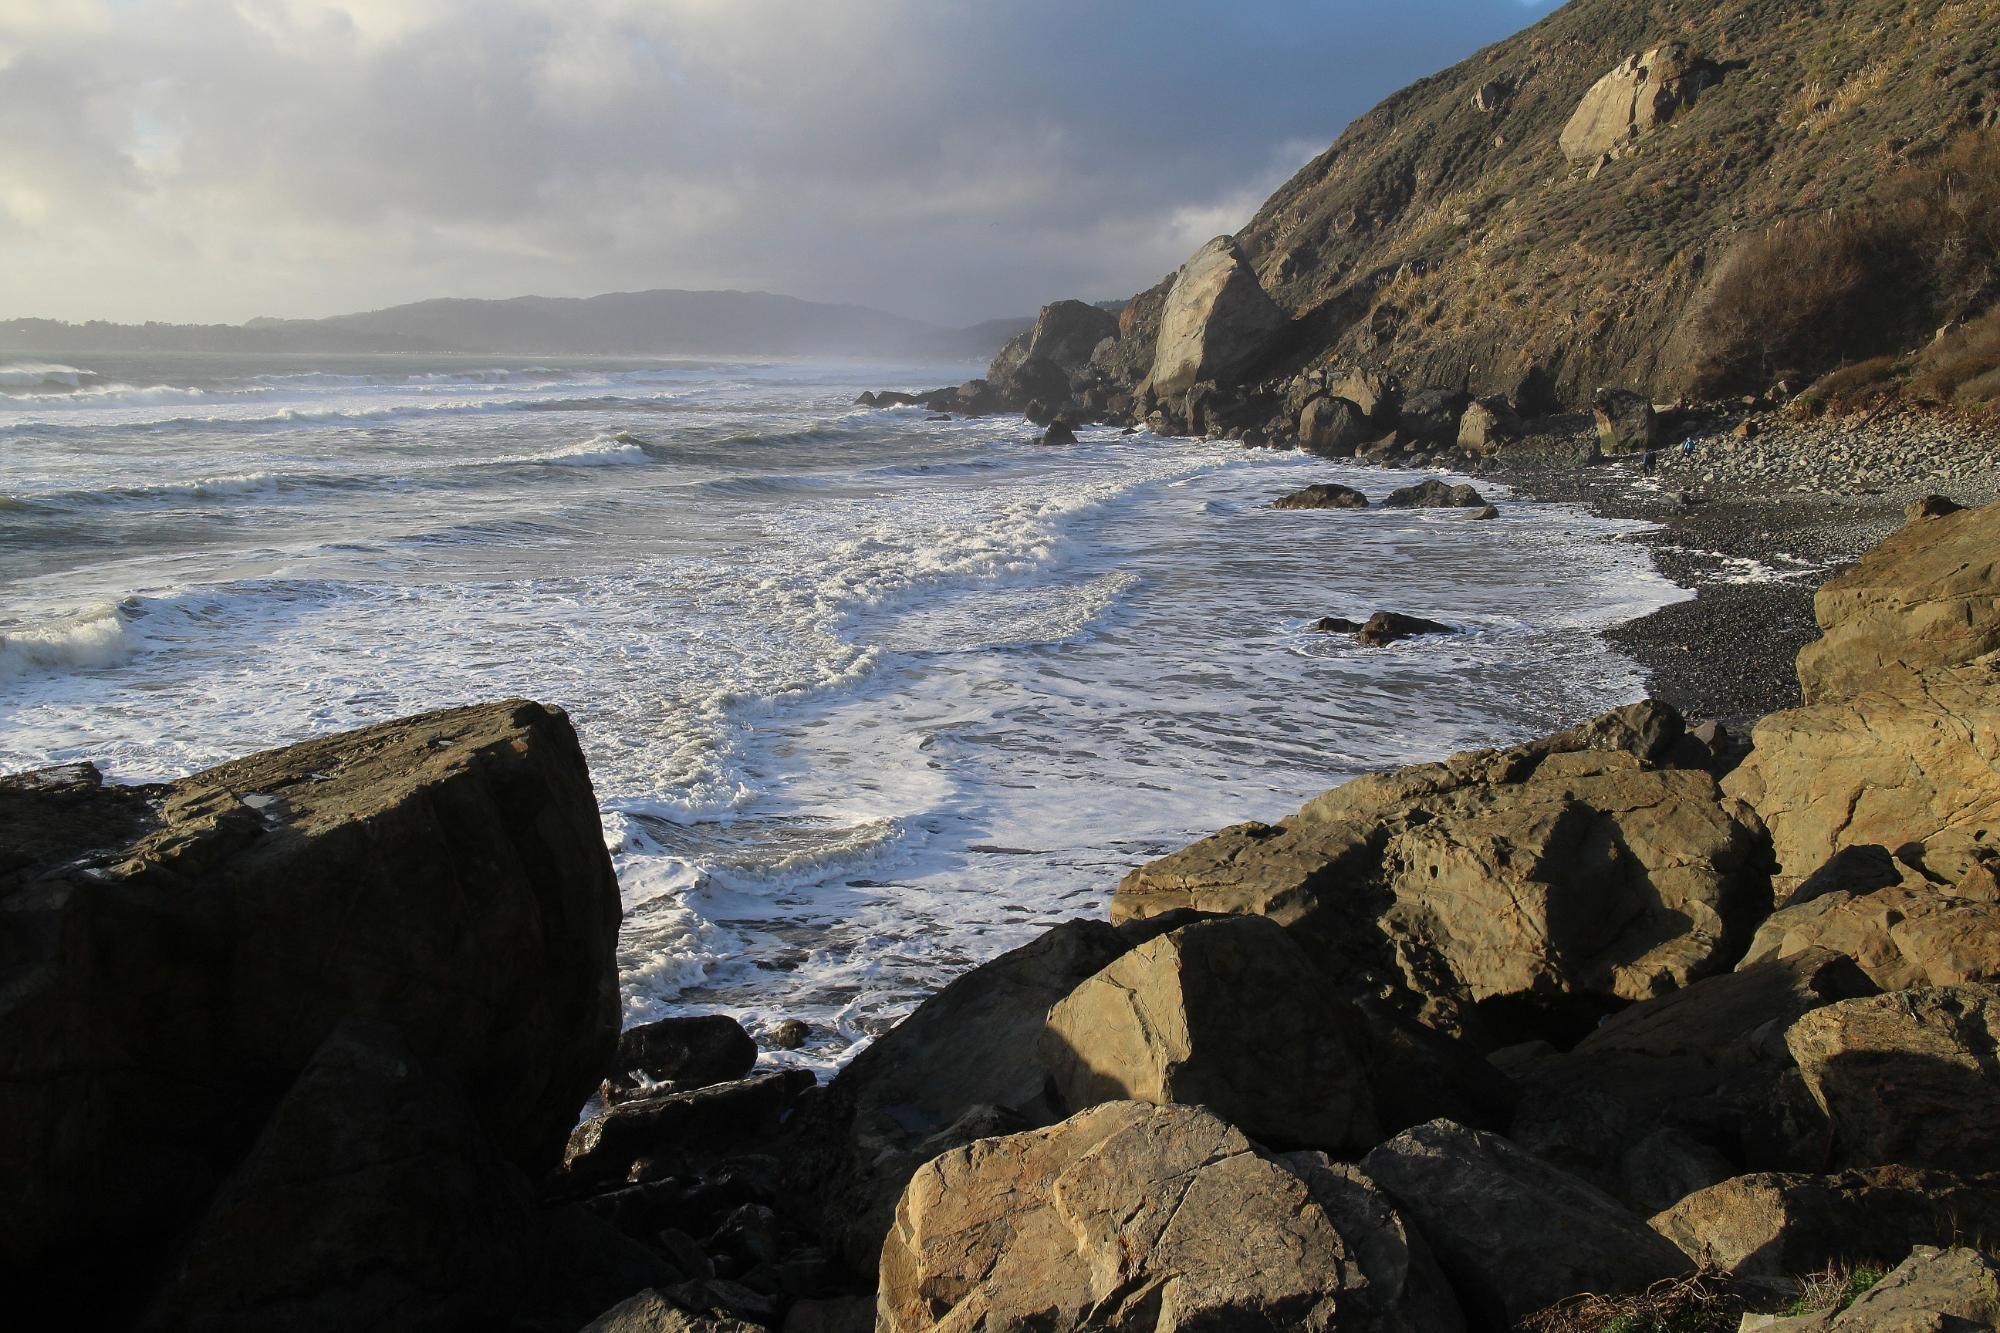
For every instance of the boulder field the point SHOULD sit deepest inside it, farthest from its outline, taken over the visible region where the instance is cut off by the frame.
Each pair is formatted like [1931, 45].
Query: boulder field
[327, 1038]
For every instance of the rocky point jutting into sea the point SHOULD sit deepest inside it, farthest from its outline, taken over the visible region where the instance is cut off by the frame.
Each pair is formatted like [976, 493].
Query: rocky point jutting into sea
[1630, 1012]
[1683, 1017]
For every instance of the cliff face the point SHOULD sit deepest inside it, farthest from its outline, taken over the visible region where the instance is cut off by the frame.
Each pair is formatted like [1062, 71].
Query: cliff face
[1606, 197]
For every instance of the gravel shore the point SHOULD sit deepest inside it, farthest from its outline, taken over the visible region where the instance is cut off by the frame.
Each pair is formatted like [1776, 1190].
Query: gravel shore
[1754, 526]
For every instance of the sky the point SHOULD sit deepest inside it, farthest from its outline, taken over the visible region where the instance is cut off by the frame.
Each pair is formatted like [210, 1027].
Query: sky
[214, 160]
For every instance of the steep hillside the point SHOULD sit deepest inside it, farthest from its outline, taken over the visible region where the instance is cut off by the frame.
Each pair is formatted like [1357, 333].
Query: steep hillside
[1822, 187]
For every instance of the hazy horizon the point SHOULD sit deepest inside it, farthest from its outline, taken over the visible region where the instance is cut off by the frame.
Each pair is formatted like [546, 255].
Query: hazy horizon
[214, 161]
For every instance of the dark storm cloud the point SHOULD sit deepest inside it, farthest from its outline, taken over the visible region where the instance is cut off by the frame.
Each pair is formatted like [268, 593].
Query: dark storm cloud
[214, 159]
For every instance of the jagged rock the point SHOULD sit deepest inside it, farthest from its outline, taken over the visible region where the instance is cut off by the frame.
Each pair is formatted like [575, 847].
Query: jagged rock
[1059, 433]
[1908, 1077]
[1633, 100]
[707, 1119]
[1035, 380]
[1432, 493]
[1432, 415]
[1512, 1233]
[1227, 1014]
[653, 1312]
[1373, 391]
[1216, 321]
[1067, 332]
[1542, 882]
[967, 1059]
[1920, 764]
[1927, 597]
[1486, 424]
[1707, 1063]
[689, 1052]
[1625, 421]
[1416, 1074]
[1778, 1224]
[1332, 426]
[1387, 627]
[372, 1199]
[1910, 934]
[1128, 1216]
[1325, 495]
[177, 954]
[1956, 1289]
[1489, 95]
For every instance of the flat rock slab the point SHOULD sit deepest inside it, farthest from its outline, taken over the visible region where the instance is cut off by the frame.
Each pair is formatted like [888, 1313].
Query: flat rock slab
[1324, 495]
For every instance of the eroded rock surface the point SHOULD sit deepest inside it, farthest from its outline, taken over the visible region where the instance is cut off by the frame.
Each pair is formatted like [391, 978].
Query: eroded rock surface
[1640, 95]
[1216, 321]
[1137, 1217]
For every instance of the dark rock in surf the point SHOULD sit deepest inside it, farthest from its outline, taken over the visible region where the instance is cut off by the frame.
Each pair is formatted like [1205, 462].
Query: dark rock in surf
[1325, 495]
[1387, 627]
[1334, 625]
[690, 1052]
[1434, 494]
[1059, 433]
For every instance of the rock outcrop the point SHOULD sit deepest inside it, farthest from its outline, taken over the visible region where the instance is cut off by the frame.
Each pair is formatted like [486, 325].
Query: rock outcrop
[1432, 493]
[1512, 1233]
[1625, 421]
[1910, 1077]
[1129, 1217]
[1778, 1225]
[1556, 878]
[1216, 321]
[1227, 1014]
[1333, 426]
[1955, 1289]
[1633, 100]
[177, 956]
[1927, 597]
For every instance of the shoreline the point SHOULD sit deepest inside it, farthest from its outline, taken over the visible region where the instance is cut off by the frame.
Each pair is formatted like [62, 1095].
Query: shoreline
[1762, 526]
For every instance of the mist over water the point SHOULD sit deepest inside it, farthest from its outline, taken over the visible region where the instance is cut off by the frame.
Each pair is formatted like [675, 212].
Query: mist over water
[867, 697]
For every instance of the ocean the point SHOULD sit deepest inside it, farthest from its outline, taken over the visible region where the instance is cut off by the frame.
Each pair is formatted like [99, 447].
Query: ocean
[867, 697]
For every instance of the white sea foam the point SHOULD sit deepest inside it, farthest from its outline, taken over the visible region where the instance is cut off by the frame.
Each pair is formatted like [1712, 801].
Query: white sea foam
[866, 698]
[92, 639]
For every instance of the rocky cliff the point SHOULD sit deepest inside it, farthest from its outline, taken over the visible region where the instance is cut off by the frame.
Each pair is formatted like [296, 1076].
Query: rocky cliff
[1723, 199]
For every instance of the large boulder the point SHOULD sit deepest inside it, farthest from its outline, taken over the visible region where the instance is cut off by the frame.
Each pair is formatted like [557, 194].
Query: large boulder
[1908, 1077]
[1779, 1224]
[690, 1051]
[1217, 321]
[1322, 495]
[1067, 332]
[1136, 1217]
[372, 1199]
[1373, 391]
[1925, 598]
[1956, 1290]
[1333, 426]
[1512, 1233]
[1674, 1094]
[1644, 92]
[1486, 424]
[1432, 415]
[1625, 421]
[1543, 883]
[966, 1064]
[1434, 493]
[1919, 763]
[1227, 1014]
[176, 955]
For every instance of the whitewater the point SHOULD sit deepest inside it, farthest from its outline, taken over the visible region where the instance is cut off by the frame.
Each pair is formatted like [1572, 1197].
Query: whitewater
[868, 697]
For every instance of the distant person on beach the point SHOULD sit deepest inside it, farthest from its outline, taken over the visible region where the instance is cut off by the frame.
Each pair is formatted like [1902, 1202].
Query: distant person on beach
[1646, 460]
[1687, 447]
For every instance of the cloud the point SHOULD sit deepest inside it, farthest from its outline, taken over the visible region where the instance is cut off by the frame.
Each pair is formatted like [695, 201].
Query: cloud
[215, 159]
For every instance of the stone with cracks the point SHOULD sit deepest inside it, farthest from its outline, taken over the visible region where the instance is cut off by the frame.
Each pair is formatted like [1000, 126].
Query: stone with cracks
[1643, 93]
[1130, 1217]
[1226, 1014]
[1216, 322]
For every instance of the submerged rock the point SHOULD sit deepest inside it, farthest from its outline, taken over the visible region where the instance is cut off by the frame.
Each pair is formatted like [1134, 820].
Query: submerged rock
[1323, 495]
[1387, 627]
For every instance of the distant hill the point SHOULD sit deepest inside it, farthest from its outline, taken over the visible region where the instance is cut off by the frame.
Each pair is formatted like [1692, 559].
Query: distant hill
[1682, 198]
[653, 323]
